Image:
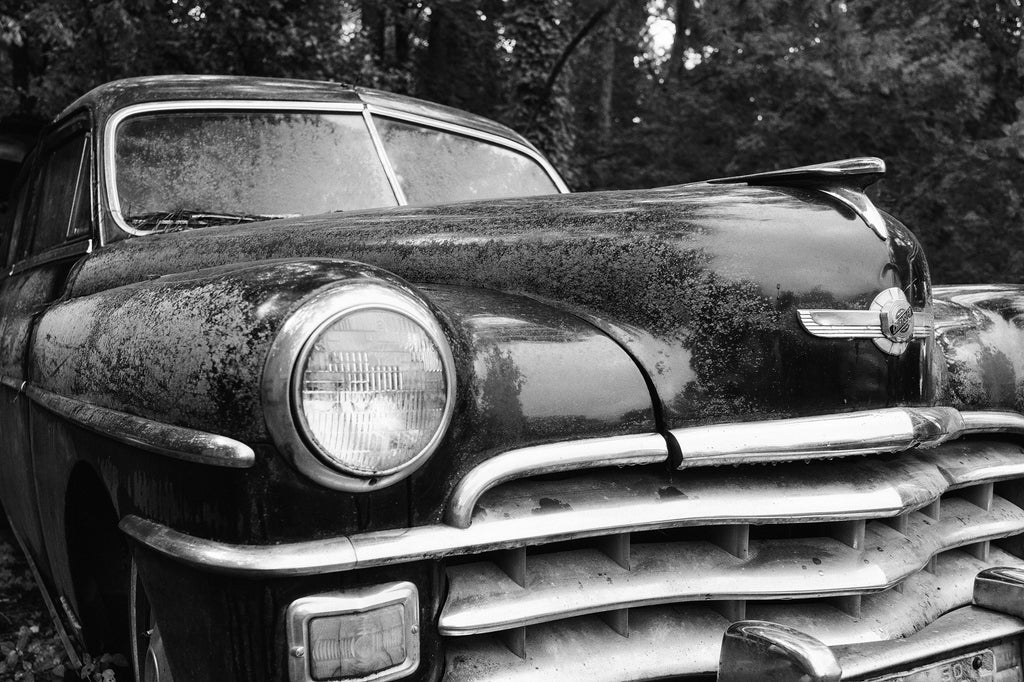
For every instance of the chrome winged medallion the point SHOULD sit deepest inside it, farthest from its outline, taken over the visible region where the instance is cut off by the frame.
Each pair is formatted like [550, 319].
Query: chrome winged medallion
[890, 321]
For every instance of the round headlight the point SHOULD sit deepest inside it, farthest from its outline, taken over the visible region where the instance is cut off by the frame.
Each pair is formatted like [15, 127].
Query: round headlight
[359, 386]
[371, 391]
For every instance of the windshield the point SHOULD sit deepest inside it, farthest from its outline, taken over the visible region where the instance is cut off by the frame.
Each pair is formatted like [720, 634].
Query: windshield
[180, 169]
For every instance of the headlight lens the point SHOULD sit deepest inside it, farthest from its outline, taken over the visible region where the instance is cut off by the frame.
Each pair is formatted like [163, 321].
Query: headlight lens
[372, 391]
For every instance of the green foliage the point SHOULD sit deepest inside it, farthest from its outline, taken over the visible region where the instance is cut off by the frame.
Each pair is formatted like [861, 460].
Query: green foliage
[936, 87]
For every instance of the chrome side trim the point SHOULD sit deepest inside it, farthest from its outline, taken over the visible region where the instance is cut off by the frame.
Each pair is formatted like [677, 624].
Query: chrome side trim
[750, 648]
[477, 134]
[927, 613]
[78, 248]
[177, 442]
[615, 502]
[648, 448]
[836, 435]
[482, 598]
[109, 134]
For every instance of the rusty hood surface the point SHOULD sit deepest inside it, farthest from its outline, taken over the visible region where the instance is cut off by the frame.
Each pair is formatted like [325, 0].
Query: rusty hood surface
[700, 283]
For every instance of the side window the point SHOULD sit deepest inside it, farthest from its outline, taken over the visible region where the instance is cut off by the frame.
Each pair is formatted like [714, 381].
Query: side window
[59, 207]
[434, 166]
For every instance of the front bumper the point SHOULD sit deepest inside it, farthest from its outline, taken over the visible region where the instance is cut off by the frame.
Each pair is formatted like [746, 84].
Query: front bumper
[985, 635]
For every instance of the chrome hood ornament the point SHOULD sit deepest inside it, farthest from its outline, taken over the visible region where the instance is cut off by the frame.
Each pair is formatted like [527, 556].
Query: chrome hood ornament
[890, 321]
[843, 181]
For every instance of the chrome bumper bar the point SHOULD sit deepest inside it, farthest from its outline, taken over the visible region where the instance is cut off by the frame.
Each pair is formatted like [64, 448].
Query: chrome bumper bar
[759, 650]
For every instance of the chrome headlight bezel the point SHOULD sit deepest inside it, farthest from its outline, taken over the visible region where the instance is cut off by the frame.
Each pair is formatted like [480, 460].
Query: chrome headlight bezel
[282, 378]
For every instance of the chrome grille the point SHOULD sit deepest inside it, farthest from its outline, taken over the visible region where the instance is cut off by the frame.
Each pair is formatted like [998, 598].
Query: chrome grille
[635, 573]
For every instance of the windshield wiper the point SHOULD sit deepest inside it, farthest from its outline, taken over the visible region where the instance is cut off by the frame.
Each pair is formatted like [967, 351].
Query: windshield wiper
[184, 219]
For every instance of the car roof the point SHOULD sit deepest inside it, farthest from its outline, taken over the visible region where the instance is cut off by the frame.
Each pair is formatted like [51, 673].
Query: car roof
[106, 99]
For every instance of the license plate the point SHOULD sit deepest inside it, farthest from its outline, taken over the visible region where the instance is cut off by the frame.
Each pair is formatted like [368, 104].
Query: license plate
[976, 667]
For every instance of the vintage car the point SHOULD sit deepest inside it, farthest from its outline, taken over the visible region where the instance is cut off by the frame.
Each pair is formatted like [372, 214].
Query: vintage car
[302, 381]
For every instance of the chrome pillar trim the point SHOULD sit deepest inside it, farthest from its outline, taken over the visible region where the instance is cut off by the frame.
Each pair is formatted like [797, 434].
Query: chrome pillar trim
[623, 501]
[836, 435]
[546, 459]
[177, 442]
[893, 627]
[566, 584]
[302, 611]
[754, 650]
[1001, 589]
[385, 160]
[992, 421]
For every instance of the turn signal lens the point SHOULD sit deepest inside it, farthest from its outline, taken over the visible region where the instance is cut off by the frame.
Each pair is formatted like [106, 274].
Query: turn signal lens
[373, 391]
[358, 635]
[356, 645]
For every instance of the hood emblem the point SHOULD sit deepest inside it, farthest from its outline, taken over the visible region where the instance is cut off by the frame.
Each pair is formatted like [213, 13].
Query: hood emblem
[890, 321]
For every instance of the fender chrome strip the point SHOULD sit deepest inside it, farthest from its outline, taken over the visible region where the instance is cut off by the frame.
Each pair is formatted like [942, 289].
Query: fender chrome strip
[178, 442]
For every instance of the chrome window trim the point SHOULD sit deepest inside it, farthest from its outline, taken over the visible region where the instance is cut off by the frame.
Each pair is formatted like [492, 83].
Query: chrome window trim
[481, 135]
[177, 442]
[287, 356]
[110, 130]
[82, 247]
[385, 160]
[648, 448]
[302, 611]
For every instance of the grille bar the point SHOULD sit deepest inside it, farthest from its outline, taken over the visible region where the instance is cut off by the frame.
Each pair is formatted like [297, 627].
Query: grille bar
[686, 639]
[564, 584]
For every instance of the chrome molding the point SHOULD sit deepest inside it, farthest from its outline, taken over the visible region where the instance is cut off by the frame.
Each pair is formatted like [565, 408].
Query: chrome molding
[16, 384]
[385, 160]
[110, 140]
[177, 442]
[858, 202]
[476, 134]
[78, 248]
[622, 501]
[1001, 589]
[482, 598]
[836, 435]
[750, 648]
[922, 621]
[843, 181]
[649, 448]
[871, 323]
[282, 378]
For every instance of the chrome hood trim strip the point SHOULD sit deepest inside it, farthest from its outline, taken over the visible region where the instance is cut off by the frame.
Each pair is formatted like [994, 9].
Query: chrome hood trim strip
[177, 442]
[836, 435]
[482, 598]
[610, 502]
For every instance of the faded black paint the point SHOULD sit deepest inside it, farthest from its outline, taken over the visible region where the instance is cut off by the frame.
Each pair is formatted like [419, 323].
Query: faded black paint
[701, 283]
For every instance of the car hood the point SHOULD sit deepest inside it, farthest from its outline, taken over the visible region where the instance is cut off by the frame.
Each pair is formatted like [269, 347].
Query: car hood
[700, 283]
